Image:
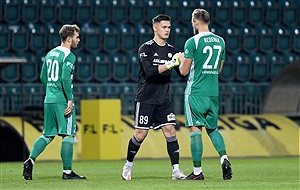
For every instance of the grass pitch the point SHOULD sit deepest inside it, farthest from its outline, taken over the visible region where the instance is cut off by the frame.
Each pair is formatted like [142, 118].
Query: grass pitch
[248, 173]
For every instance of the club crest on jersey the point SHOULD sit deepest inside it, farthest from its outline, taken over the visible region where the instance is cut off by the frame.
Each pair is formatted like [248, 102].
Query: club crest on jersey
[169, 55]
[186, 51]
[171, 117]
[69, 64]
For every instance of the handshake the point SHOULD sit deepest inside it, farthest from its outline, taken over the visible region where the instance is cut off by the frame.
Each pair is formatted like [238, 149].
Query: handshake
[173, 62]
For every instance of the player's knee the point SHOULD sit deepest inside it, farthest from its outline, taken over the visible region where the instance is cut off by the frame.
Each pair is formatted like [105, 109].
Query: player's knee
[48, 139]
[209, 131]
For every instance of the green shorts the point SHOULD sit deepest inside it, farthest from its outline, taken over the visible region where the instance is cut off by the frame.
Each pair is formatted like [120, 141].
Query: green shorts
[56, 123]
[201, 111]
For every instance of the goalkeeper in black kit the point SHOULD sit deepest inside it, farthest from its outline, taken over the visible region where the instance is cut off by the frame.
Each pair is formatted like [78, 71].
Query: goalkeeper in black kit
[153, 108]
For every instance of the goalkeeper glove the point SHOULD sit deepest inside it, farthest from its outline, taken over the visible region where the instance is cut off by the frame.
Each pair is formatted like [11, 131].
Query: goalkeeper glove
[173, 62]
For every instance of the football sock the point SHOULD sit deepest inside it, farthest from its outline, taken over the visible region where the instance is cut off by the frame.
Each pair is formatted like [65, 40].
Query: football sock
[197, 170]
[66, 152]
[173, 149]
[175, 167]
[218, 141]
[39, 146]
[133, 148]
[223, 158]
[196, 148]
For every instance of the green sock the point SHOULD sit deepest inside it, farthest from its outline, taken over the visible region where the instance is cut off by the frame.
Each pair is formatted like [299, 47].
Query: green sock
[196, 148]
[66, 152]
[39, 146]
[218, 142]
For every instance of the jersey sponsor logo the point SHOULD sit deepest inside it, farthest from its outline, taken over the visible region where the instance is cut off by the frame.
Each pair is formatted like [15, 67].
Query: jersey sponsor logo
[143, 54]
[69, 64]
[210, 72]
[155, 55]
[161, 61]
[169, 55]
[171, 117]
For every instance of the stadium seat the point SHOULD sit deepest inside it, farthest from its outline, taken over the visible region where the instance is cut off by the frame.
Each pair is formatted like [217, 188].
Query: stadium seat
[144, 33]
[214, 29]
[232, 39]
[208, 5]
[11, 72]
[282, 39]
[30, 68]
[137, 12]
[179, 34]
[276, 64]
[93, 39]
[186, 9]
[39, 60]
[266, 39]
[19, 38]
[295, 35]
[128, 39]
[84, 12]
[1, 10]
[66, 12]
[289, 57]
[260, 67]
[243, 67]
[53, 35]
[110, 38]
[37, 37]
[172, 9]
[48, 11]
[89, 90]
[120, 67]
[272, 12]
[222, 12]
[133, 60]
[255, 12]
[5, 37]
[153, 8]
[102, 64]
[102, 12]
[289, 12]
[239, 13]
[30, 11]
[12, 11]
[228, 72]
[118, 12]
[83, 68]
[249, 38]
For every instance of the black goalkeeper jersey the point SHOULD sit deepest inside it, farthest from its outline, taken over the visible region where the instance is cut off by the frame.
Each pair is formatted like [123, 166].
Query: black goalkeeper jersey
[153, 87]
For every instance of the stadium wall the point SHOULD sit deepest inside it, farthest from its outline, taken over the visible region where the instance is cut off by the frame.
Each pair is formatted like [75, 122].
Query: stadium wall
[245, 135]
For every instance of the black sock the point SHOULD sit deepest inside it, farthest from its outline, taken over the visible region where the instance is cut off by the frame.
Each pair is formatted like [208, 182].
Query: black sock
[133, 148]
[173, 149]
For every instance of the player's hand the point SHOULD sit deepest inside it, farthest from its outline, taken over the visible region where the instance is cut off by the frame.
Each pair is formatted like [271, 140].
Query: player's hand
[68, 110]
[173, 62]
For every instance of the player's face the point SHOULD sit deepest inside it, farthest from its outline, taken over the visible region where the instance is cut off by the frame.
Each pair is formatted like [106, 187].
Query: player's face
[75, 40]
[163, 29]
[194, 23]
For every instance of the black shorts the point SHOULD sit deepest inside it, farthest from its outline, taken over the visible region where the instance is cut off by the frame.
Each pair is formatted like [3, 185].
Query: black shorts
[149, 116]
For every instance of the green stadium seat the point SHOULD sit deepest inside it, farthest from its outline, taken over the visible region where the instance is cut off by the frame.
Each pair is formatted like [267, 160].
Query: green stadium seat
[19, 38]
[295, 35]
[1, 10]
[228, 72]
[93, 39]
[30, 11]
[249, 38]
[153, 8]
[30, 68]
[37, 37]
[208, 5]
[276, 64]
[260, 67]
[282, 39]
[5, 37]
[186, 9]
[52, 31]
[133, 60]
[137, 12]
[119, 11]
[243, 67]
[232, 39]
[84, 11]
[66, 12]
[289, 12]
[120, 67]
[289, 57]
[239, 13]
[101, 12]
[128, 39]
[102, 64]
[144, 33]
[272, 12]
[266, 39]
[10, 73]
[172, 9]
[48, 11]
[83, 68]
[222, 12]
[255, 12]
[12, 11]
[110, 38]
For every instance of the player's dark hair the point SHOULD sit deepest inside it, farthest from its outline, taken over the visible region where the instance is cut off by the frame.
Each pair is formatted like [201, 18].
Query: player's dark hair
[161, 17]
[202, 15]
[68, 30]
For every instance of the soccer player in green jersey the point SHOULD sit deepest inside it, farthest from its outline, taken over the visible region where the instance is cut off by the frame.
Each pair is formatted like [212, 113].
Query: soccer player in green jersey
[203, 59]
[59, 112]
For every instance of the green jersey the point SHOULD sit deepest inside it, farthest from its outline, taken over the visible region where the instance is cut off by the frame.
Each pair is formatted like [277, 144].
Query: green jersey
[207, 50]
[57, 75]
